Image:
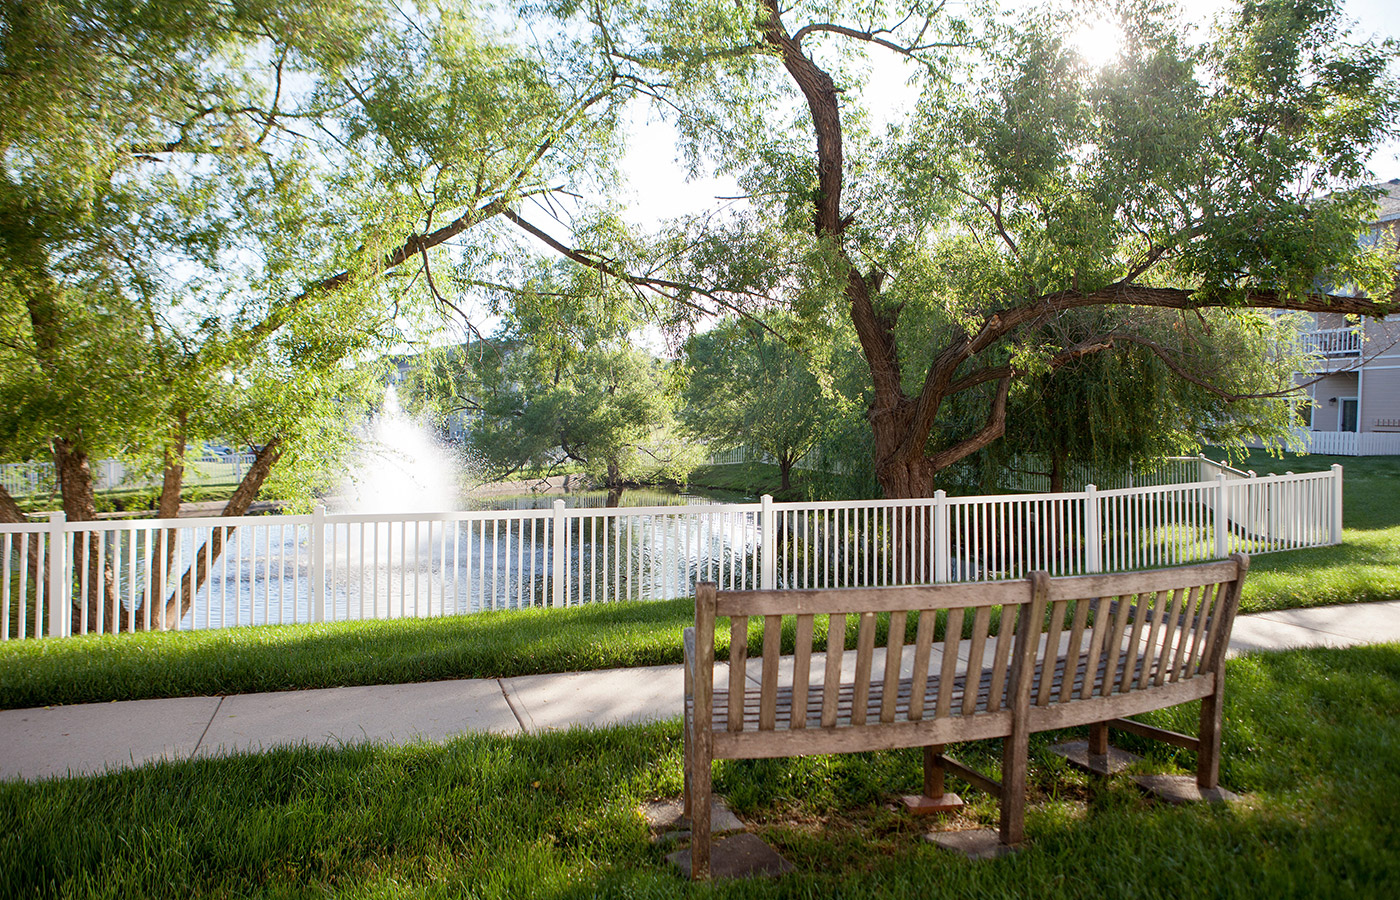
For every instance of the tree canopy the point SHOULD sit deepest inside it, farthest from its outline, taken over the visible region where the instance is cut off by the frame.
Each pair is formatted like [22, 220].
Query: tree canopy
[745, 387]
[1025, 185]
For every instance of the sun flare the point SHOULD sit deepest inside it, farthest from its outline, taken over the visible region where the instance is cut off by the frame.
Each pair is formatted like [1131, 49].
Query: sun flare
[1097, 41]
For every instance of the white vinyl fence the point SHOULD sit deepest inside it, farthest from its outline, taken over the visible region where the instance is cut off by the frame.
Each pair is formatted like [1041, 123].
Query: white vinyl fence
[1351, 443]
[134, 575]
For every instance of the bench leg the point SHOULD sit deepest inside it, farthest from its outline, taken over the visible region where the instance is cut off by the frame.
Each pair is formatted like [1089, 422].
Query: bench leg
[699, 800]
[1015, 754]
[1098, 739]
[685, 767]
[1208, 745]
[935, 799]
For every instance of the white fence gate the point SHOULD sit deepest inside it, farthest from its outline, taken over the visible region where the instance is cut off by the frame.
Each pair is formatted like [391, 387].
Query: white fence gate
[65, 578]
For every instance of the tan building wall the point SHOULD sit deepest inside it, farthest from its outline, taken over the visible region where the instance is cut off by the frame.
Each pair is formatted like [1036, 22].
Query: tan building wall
[1380, 399]
[1328, 395]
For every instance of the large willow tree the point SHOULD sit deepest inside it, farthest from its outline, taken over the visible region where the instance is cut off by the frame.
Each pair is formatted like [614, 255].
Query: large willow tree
[1023, 187]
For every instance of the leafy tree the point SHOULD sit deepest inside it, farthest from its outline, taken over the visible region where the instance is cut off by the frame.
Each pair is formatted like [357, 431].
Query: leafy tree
[1025, 185]
[610, 408]
[1109, 410]
[746, 387]
[205, 211]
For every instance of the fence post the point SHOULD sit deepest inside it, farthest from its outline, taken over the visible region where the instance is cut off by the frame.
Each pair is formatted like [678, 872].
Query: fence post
[768, 536]
[557, 597]
[1093, 530]
[1336, 503]
[941, 539]
[318, 563]
[60, 597]
[1222, 518]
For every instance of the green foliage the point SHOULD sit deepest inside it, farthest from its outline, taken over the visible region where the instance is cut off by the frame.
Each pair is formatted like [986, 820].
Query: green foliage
[1231, 380]
[610, 408]
[200, 203]
[747, 387]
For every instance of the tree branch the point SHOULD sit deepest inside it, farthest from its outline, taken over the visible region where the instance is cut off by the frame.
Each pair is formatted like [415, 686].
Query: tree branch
[995, 428]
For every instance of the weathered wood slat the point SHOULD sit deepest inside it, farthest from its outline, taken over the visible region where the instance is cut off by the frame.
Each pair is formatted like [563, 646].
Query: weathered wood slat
[894, 648]
[1001, 656]
[1052, 647]
[1075, 649]
[952, 635]
[1098, 635]
[1114, 648]
[772, 647]
[738, 669]
[802, 668]
[1170, 630]
[1210, 597]
[1076, 586]
[980, 622]
[923, 648]
[1183, 635]
[865, 650]
[835, 653]
[1212, 638]
[1140, 613]
[1149, 649]
[876, 600]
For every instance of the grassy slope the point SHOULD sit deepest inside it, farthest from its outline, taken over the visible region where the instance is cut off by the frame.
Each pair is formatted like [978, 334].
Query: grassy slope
[1364, 567]
[91, 669]
[1313, 740]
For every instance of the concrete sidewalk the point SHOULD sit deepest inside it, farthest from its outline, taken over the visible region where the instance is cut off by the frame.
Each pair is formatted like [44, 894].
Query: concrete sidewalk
[91, 738]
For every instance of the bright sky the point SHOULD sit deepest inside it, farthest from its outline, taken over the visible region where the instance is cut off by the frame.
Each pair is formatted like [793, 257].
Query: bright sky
[661, 190]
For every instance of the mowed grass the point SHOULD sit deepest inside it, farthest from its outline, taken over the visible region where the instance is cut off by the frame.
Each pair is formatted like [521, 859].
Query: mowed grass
[1365, 567]
[1312, 740]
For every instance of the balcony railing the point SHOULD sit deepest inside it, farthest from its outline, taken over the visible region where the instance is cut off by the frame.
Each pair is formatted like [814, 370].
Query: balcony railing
[1333, 343]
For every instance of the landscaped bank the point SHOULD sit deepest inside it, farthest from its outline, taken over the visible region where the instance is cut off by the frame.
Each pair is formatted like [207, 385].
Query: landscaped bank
[1312, 739]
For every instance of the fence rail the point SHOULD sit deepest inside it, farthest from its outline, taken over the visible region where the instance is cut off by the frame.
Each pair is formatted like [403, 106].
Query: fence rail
[65, 578]
[26, 479]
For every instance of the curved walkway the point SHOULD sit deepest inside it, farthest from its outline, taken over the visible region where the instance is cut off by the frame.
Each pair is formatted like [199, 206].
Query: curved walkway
[92, 738]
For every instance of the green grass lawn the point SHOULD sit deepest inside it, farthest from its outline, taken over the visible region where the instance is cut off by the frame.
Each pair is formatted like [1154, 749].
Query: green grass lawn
[1364, 567]
[1312, 740]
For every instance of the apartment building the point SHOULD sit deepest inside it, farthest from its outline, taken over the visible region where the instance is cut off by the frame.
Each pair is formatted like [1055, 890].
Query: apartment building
[1355, 381]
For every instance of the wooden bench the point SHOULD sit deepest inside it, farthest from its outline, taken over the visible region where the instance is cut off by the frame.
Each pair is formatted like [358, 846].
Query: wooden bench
[1069, 651]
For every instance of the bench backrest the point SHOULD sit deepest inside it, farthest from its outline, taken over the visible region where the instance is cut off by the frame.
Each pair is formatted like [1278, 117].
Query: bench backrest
[1146, 628]
[913, 683]
[1117, 634]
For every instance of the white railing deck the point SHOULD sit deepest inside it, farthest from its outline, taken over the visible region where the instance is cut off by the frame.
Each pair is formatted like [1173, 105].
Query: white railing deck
[322, 567]
[1333, 342]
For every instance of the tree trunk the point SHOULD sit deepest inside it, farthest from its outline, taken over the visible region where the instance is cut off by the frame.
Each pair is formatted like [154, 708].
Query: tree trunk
[182, 598]
[99, 603]
[1057, 470]
[785, 473]
[168, 507]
